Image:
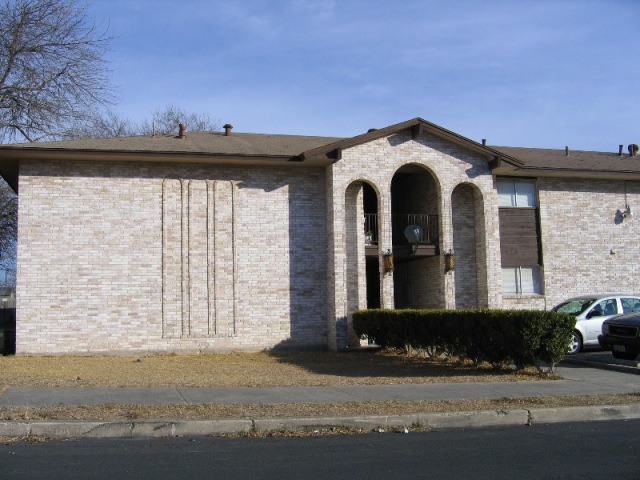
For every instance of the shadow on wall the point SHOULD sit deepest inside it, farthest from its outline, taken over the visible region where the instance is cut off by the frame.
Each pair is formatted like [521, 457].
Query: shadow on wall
[308, 292]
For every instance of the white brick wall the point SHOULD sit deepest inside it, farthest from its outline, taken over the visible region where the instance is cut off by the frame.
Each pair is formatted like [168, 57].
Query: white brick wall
[118, 257]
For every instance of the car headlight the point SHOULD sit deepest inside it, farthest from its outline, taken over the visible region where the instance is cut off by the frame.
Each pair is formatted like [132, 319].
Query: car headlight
[605, 329]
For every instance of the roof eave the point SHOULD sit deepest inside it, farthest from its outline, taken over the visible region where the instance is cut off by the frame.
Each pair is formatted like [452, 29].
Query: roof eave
[26, 153]
[511, 171]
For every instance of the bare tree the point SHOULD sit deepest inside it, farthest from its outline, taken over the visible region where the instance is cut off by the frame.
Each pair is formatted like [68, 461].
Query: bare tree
[166, 121]
[52, 70]
[8, 226]
[107, 124]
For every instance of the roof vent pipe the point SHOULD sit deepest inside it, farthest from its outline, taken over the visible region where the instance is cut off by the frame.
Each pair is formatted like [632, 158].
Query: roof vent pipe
[182, 130]
[620, 147]
[633, 150]
[227, 129]
[566, 151]
[484, 142]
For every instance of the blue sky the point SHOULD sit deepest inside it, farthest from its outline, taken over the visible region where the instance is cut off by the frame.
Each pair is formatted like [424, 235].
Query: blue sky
[536, 73]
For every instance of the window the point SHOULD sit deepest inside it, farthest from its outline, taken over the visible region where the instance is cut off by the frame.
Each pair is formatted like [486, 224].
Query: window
[520, 249]
[606, 307]
[521, 280]
[516, 192]
[630, 305]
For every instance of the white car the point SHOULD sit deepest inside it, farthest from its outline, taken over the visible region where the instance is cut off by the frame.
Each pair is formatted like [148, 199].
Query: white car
[590, 311]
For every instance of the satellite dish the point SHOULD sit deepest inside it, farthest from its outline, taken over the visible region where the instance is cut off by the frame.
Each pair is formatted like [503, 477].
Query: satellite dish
[413, 233]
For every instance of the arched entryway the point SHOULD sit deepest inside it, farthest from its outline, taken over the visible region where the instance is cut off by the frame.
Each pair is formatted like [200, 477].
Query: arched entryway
[415, 204]
[372, 245]
[362, 259]
[468, 222]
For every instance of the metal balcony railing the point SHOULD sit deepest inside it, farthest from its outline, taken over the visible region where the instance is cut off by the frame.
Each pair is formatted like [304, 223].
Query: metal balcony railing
[428, 223]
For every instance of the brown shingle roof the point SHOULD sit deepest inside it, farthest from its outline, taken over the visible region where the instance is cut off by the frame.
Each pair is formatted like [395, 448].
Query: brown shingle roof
[254, 148]
[575, 163]
[212, 143]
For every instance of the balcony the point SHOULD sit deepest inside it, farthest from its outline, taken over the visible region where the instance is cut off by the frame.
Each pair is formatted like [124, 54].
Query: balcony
[427, 244]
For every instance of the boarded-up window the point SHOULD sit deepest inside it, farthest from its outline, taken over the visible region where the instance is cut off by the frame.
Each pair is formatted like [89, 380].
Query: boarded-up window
[519, 237]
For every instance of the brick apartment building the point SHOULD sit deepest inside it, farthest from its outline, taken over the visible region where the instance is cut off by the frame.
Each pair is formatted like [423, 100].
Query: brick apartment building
[221, 241]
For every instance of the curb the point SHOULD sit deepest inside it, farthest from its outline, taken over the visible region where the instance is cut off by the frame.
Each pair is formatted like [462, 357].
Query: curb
[431, 421]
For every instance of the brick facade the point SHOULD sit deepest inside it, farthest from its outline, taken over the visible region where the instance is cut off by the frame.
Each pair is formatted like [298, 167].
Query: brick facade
[131, 256]
[117, 257]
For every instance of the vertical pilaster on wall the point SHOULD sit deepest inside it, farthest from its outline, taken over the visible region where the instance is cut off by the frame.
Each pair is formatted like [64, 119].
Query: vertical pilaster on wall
[184, 249]
[197, 258]
[224, 264]
[211, 248]
[446, 243]
[172, 259]
[385, 242]
[481, 250]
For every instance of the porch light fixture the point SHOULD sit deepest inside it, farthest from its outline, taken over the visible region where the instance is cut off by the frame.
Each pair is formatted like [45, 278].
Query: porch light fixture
[449, 262]
[626, 213]
[387, 261]
[413, 234]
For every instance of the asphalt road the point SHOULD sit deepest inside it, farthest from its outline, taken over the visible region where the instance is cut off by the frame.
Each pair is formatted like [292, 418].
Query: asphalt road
[569, 450]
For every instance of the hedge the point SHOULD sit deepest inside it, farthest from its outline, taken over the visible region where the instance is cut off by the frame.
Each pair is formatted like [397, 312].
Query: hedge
[499, 337]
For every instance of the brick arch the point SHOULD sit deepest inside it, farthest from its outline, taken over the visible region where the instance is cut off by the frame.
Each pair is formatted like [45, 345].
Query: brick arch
[469, 246]
[416, 198]
[355, 264]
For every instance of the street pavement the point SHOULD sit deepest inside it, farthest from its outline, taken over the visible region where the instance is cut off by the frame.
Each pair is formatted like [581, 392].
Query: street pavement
[588, 373]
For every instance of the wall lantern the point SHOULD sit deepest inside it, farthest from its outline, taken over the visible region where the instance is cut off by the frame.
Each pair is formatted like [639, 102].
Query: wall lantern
[626, 213]
[449, 262]
[387, 261]
[413, 234]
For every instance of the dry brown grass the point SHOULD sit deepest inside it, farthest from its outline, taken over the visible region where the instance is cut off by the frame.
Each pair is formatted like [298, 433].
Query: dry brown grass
[221, 411]
[261, 370]
[243, 369]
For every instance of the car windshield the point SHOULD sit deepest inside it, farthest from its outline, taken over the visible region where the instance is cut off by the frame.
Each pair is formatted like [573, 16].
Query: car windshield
[575, 306]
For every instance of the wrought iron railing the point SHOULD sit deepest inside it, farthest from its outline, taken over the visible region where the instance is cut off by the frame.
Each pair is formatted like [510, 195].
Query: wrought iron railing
[428, 224]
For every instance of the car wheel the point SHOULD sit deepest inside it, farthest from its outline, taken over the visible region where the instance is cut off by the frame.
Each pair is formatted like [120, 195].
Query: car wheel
[624, 355]
[575, 345]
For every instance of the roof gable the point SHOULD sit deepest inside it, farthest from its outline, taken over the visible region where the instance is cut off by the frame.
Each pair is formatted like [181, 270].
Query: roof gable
[333, 151]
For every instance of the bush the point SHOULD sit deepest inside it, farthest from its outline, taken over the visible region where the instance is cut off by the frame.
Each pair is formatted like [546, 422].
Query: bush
[499, 337]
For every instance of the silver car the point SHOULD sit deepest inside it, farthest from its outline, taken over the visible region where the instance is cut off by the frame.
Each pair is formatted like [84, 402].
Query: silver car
[590, 311]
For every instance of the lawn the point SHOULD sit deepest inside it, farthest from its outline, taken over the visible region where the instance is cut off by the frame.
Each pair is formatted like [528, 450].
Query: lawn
[244, 369]
[262, 370]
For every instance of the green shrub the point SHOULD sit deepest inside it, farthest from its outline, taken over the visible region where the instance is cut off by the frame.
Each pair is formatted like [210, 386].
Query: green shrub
[499, 337]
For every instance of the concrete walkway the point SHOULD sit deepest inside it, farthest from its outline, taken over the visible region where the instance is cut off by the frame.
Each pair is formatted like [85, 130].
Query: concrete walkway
[585, 374]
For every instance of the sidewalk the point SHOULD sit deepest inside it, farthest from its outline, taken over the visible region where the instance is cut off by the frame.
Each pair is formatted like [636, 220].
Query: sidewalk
[584, 374]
